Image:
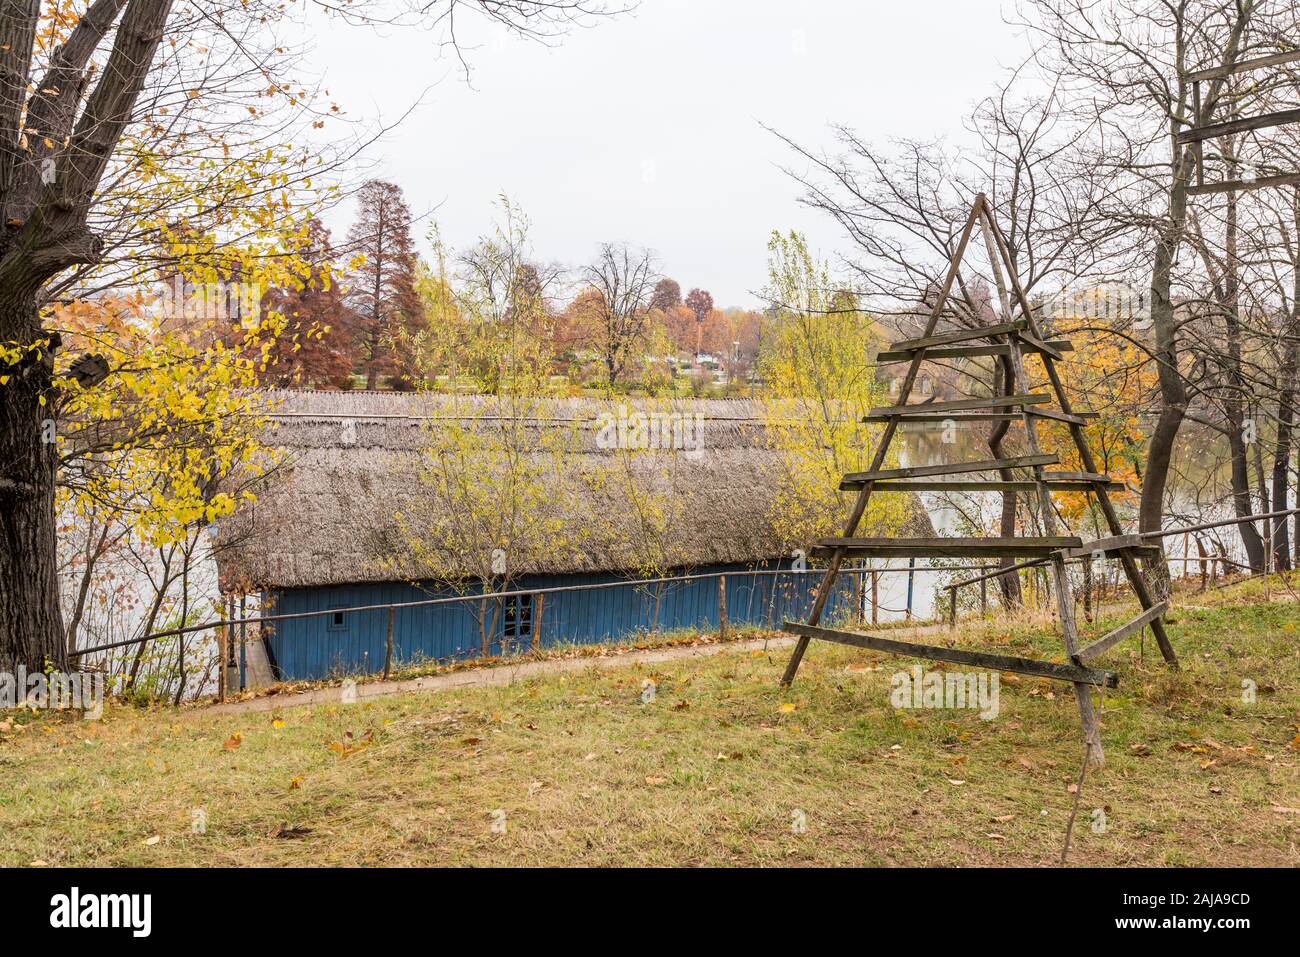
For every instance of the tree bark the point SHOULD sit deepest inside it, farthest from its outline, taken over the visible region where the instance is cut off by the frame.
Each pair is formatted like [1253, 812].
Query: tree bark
[31, 624]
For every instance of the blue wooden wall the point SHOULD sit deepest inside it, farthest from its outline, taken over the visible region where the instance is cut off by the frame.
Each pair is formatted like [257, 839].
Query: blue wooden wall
[321, 647]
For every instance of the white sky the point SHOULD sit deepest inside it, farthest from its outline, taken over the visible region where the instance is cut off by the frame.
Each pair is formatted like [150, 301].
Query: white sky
[646, 128]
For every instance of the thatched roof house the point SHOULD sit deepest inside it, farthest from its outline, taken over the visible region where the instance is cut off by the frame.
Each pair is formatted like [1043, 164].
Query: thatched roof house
[328, 514]
[623, 489]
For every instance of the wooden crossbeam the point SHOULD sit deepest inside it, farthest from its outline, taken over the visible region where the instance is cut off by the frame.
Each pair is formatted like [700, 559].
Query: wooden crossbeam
[1111, 546]
[958, 405]
[978, 659]
[1214, 130]
[1241, 185]
[1215, 72]
[959, 416]
[855, 480]
[1123, 631]
[995, 485]
[1056, 346]
[1095, 478]
[1037, 345]
[944, 547]
[959, 335]
[1073, 418]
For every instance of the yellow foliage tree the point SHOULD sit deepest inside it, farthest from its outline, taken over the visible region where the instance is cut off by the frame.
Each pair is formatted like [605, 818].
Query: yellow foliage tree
[819, 383]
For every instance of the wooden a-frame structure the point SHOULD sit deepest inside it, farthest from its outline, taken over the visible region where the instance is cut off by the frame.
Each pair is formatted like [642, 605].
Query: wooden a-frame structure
[1016, 335]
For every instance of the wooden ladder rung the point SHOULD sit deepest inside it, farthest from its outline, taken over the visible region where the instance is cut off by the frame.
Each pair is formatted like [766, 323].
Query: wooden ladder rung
[941, 417]
[1123, 631]
[1074, 418]
[1092, 477]
[1053, 347]
[979, 659]
[943, 547]
[1034, 344]
[855, 480]
[956, 405]
[975, 485]
[958, 335]
[1113, 545]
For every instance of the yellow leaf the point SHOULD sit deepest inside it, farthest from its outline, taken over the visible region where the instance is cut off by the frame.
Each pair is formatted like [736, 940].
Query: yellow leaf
[787, 708]
[233, 742]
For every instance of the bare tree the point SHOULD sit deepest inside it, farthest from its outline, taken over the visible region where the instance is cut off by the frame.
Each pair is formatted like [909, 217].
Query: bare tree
[1131, 64]
[623, 278]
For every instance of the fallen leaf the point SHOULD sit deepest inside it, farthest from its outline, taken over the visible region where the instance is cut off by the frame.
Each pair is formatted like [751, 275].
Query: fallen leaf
[151, 841]
[655, 781]
[233, 742]
[955, 783]
[787, 708]
[295, 783]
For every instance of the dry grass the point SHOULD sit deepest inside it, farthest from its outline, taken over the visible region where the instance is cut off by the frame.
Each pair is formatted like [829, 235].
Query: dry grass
[708, 773]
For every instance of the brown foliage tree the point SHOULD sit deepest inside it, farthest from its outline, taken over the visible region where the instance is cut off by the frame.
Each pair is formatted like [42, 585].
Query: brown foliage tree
[381, 290]
[316, 347]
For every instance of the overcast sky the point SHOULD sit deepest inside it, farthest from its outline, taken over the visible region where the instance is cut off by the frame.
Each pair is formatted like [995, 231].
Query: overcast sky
[647, 128]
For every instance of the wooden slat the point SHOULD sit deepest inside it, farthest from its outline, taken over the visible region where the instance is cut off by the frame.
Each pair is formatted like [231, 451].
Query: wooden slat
[1123, 631]
[960, 417]
[858, 479]
[1273, 59]
[1094, 477]
[993, 485]
[978, 659]
[1073, 418]
[1241, 185]
[971, 352]
[958, 335]
[958, 405]
[1109, 546]
[1213, 131]
[944, 547]
[1034, 344]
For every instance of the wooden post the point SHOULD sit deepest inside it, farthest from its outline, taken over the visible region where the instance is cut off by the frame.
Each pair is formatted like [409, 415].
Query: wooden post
[243, 641]
[952, 607]
[875, 597]
[722, 606]
[388, 643]
[857, 596]
[1187, 553]
[984, 595]
[911, 575]
[539, 605]
[221, 658]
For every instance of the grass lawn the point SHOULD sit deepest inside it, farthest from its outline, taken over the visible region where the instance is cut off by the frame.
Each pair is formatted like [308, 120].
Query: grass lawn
[578, 769]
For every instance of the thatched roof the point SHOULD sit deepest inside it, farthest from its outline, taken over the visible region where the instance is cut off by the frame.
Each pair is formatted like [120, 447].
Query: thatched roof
[329, 514]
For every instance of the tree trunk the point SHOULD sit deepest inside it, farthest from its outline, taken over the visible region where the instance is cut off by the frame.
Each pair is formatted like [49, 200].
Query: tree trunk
[1173, 391]
[1282, 456]
[31, 624]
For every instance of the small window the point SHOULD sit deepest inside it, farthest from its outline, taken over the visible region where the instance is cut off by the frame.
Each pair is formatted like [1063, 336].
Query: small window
[517, 617]
[338, 621]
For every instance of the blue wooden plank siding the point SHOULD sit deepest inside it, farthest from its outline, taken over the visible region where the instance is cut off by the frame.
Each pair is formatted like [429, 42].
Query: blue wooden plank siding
[354, 642]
